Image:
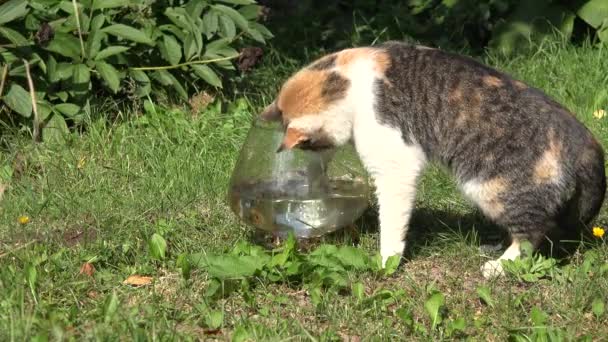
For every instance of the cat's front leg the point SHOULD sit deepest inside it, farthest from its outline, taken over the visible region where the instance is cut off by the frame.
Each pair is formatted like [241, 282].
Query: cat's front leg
[396, 196]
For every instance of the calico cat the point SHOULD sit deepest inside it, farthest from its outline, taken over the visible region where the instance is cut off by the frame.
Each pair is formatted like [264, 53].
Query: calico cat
[525, 160]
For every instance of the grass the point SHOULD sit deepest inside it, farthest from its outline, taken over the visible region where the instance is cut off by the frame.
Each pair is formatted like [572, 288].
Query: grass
[100, 197]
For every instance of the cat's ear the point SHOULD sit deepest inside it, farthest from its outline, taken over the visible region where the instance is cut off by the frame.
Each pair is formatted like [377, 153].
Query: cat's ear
[293, 137]
[271, 112]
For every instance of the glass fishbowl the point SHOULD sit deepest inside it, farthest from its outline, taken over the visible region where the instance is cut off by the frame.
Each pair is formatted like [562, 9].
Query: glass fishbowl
[305, 192]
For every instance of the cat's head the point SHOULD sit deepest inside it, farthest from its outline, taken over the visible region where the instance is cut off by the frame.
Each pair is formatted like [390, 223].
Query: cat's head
[313, 109]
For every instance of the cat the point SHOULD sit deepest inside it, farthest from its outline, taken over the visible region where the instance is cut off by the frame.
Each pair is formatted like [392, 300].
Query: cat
[528, 164]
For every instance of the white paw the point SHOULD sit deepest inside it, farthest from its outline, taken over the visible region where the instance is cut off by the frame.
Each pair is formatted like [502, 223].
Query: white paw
[389, 251]
[492, 269]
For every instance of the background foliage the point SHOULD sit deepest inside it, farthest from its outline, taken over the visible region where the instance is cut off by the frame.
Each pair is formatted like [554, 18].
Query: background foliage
[82, 51]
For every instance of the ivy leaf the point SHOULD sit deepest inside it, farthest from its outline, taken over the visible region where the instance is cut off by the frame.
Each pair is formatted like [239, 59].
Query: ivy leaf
[129, 33]
[19, 100]
[207, 74]
[109, 74]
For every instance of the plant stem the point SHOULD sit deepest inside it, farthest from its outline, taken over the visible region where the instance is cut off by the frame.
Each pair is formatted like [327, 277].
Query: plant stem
[79, 30]
[30, 82]
[207, 61]
[3, 79]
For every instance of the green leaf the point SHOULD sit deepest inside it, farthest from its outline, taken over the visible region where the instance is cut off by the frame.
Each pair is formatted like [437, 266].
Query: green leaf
[184, 264]
[13, 36]
[392, 264]
[109, 74]
[110, 307]
[19, 100]
[227, 27]
[129, 33]
[531, 20]
[353, 257]
[157, 246]
[358, 291]
[68, 109]
[81, 79]
[459, 324]
[65, 44]
[238, 2]
[594, 12]
[11, 10]
[214, 319]
[256, 35]
[210, 23]
[93, 43]
[44, 110]
[64, 71]
[240, 334]
[231, 266]
[250, 12]
[207, 74]
[597, 306]
[31, 276]
[433, 308]
[55, 130]
[405, 315]
[176, 31]
[143, 82]
[236, 17]
[163, 76]
[538, 316]
[103, 4]
[190, 47]
[110, 51]
[179, 88]
[170, 49]
[216, 45]
[602, 32]
[484, 293]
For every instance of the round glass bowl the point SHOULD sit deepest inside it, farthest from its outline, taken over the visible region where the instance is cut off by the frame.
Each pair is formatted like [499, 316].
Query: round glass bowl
[308, 193]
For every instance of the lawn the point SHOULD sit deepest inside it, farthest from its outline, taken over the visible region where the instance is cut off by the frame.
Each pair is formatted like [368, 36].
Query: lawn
[80, 216]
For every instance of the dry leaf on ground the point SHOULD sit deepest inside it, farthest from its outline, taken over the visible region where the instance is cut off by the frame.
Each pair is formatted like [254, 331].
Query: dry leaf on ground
[137, 280]
[87, 269]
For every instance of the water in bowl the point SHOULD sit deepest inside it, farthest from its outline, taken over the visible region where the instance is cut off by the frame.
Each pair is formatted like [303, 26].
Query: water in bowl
[293, 206]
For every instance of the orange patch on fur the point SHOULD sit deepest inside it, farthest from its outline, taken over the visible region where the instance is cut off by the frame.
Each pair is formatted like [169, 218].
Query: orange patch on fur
[492, 81]
[519, 85]
[548, 168]
[381, 58]
[492, 189]
[292, 138]
[302, 94]
[455, 95]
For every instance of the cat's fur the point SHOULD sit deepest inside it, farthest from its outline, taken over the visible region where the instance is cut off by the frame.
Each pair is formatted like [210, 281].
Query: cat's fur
[524, 159]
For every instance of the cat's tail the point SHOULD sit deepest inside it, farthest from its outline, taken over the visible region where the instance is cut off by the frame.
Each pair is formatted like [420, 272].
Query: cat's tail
[591, 179]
